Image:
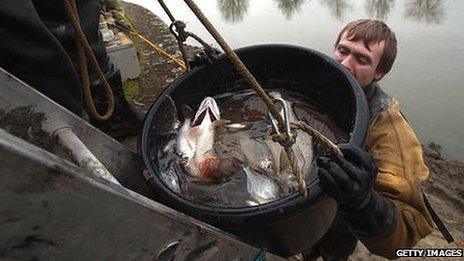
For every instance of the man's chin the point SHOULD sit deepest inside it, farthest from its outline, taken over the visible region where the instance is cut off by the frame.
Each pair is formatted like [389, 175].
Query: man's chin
[366, 85]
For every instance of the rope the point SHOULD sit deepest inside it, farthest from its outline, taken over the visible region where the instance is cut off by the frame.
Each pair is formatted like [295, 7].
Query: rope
[296, 171]
[324, 141]
[209, 50]
[253, 83]
[166, 10]
[85, 52]
[179, 26]
[162, 52]
[181, 35]
[239, 66]
[132, 30]
[255, 86]
[180, 40]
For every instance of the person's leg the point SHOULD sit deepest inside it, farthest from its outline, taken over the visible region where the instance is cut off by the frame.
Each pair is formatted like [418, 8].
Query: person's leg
[54, 16]
[32, 53]
[337, 244]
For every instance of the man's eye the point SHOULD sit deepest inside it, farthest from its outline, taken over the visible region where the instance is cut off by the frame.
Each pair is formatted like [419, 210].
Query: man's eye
[363, 61]
[342, 50]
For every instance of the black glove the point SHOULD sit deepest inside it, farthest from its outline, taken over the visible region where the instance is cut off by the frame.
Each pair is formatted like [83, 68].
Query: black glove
[350, 181]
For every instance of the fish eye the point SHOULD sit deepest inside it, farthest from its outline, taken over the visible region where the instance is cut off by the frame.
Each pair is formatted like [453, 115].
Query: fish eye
[186, 111]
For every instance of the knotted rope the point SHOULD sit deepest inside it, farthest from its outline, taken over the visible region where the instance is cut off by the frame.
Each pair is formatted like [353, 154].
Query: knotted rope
[85, 52]
[282, 138]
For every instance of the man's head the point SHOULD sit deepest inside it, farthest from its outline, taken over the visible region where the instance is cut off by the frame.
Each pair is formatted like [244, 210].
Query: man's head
[367, 48]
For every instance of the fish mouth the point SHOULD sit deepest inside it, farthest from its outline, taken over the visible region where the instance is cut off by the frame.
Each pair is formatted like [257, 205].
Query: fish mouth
[208, 109]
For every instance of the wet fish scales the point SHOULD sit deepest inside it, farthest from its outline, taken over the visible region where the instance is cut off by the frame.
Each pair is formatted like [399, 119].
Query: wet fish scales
[233, 190]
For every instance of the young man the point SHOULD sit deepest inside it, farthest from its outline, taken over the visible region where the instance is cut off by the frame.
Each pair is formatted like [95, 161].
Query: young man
[378, 189]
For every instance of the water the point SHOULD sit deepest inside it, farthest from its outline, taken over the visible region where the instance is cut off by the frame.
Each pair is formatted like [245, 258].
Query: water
[427, 77]
[252, 169]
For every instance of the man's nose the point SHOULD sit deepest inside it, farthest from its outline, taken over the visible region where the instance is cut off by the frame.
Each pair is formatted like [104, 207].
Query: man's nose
[347, 62]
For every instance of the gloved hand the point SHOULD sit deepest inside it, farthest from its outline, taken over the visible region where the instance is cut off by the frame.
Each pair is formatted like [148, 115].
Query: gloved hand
[350, 181]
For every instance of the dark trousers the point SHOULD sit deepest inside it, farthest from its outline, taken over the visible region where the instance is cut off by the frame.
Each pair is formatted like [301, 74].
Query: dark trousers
[37, 45]
[337, 244]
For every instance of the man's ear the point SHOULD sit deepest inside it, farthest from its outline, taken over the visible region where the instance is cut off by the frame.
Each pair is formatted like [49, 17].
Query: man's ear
[378, 76]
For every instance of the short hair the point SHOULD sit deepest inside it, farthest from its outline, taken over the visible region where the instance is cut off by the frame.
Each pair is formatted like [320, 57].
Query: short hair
[373, 31]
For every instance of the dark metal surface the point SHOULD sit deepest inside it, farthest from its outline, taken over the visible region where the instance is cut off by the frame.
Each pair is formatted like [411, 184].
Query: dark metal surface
[50, 209]
[53, 209]
[24, 103]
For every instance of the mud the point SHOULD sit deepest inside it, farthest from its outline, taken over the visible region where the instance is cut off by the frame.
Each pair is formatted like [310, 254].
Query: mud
[157, 70]
[26, 124]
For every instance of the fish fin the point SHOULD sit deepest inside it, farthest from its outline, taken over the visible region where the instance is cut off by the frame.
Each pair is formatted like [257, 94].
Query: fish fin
[170, 177]
[167, 121]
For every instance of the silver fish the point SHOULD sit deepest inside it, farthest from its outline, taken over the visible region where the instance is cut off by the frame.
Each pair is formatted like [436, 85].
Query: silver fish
[196, 136]
[302, 148]
[167, 125]
[260, 159]
[195, 144]
[269, 157]
[261, 187]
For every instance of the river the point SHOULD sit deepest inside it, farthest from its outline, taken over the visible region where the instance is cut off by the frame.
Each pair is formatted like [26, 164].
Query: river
[427, 77]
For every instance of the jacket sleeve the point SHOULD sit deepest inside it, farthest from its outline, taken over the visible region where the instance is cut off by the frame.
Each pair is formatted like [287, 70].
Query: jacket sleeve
[394, 145]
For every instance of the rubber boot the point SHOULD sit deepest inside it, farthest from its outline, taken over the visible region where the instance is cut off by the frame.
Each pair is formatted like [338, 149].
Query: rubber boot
[126, 118]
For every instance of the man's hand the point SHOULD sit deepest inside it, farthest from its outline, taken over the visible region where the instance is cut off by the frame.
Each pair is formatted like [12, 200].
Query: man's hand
[349, 179]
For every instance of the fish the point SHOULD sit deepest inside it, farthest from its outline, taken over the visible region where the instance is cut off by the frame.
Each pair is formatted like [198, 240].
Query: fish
[167, 120]
[302, 148]
[163, 129]
[270, 158]
[212, 158]
[261, 187]
[195, 144]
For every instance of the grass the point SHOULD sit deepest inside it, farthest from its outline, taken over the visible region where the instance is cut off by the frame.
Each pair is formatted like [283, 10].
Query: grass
[131, 89]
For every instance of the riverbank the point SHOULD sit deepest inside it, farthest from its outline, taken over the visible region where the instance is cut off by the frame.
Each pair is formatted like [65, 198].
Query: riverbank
[158, 71]
[445, 187]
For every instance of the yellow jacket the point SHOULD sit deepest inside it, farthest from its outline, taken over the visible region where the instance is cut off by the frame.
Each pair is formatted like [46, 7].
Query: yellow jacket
[398, 153]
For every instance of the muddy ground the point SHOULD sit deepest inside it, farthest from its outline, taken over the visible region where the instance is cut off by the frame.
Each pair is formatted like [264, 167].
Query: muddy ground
[445, 187]
[158, 71]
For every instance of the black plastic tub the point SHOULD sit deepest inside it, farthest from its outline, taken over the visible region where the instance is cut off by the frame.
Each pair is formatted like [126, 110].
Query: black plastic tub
[292, 223]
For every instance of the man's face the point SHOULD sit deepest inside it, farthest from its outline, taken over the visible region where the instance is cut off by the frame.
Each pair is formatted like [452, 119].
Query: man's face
[359, 60]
